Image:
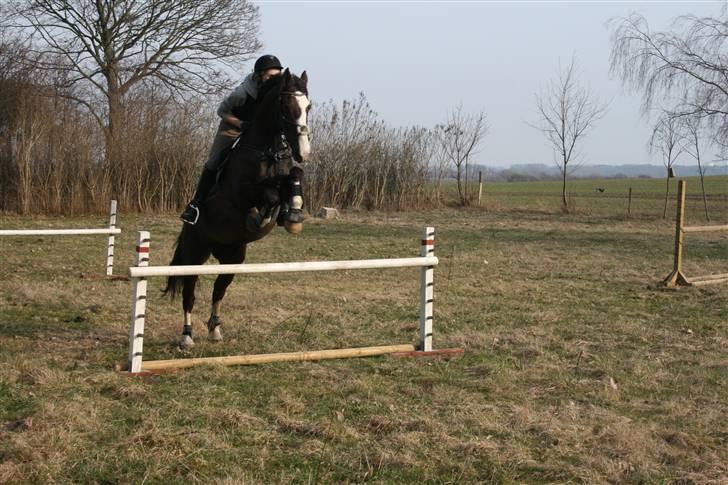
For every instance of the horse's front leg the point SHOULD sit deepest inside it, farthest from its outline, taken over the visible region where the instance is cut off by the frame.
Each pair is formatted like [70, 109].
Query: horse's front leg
[294, 221]
[266, 209]
[188, 303]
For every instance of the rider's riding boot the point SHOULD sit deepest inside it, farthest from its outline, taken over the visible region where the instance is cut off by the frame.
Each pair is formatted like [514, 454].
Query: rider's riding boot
[192, 211]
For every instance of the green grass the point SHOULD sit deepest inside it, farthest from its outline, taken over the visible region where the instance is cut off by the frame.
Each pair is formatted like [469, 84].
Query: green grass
[714, 184]
[647, 196]
[578, 366]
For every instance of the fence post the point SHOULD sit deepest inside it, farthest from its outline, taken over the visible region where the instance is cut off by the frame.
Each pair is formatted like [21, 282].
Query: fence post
[629, 202]
[676, 277]
[480, 187]
[110, 247]
[427, 292]
[138, 306]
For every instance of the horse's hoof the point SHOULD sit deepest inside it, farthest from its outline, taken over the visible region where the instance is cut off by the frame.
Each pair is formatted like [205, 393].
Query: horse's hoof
[213, 322]
[294, 227]
[213, 327]
[215, 335]
[186, 342]
[295, 215]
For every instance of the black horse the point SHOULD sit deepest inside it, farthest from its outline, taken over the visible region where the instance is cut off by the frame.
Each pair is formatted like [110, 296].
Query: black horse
[257, 180]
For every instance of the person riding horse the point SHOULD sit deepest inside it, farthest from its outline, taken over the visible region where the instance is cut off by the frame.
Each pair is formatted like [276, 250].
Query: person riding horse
[236, 112]
[262, 174]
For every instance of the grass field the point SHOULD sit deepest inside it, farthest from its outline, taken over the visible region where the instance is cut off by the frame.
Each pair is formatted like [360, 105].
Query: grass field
[578, 368]
[586, 198]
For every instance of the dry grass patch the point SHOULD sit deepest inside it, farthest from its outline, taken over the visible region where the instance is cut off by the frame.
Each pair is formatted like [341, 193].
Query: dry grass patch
[577, 367]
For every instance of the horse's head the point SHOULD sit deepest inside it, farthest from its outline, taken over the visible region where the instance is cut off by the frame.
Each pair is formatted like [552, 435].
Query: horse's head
[285, 107]
[294, 113]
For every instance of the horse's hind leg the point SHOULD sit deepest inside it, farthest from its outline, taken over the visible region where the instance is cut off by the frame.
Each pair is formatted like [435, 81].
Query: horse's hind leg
[218, 292]
[226, 255]
[188, 303]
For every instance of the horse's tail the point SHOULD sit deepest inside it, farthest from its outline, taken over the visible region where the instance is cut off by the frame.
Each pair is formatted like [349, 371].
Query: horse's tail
[174, 283]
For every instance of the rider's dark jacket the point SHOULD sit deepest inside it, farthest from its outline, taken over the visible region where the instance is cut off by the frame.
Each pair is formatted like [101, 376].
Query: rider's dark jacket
[241, 103]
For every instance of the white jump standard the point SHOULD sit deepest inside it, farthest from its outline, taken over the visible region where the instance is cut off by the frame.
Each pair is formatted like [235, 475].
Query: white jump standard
[427, 261]
[111, 231]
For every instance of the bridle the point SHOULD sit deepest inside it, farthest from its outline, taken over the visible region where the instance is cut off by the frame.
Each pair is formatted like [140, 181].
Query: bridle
[300, 129]
[280, 148]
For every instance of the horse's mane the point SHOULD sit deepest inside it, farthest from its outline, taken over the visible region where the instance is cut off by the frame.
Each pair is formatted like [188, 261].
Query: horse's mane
[268, 85]
[275, 81]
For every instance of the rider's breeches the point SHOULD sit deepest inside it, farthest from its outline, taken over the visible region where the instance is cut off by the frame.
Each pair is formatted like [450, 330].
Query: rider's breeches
[224, 139]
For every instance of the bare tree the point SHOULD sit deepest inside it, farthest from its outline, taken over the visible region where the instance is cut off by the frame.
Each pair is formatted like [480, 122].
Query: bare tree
[105, 48]
[693, 134]
[567, 112]
[460, 137]
[687, 66]
[439, 163]
[668, 141]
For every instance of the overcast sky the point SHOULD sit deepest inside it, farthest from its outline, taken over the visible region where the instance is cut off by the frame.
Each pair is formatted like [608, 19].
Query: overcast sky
[416, 60]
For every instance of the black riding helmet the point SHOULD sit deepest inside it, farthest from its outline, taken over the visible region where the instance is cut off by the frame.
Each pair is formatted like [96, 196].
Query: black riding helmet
[267, 62]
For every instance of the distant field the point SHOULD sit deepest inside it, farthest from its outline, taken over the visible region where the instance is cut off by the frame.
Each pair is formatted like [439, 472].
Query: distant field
[585, 196]
[578, 368]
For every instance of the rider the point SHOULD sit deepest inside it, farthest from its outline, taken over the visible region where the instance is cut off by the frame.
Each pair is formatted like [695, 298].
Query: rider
[236, 112]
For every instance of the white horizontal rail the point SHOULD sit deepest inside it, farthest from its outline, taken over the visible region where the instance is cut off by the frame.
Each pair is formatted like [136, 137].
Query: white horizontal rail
[56, 232]
[215, 269]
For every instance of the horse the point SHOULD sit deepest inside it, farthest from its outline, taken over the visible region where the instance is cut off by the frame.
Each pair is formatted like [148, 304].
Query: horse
[245, 204]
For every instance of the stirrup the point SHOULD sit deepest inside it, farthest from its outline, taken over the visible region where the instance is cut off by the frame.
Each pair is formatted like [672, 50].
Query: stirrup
[188, 220]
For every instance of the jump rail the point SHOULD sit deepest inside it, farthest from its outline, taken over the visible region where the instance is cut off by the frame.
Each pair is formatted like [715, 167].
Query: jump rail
[427, 261]
[676, 276]
[111, 231]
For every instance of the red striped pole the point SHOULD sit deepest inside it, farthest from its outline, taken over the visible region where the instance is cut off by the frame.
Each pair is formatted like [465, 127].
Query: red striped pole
[110, 247]
[138, 306]
[427, 290]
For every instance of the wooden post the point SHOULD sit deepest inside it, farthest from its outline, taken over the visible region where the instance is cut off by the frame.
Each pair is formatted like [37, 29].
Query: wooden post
[427, 290]
[480, 187]
[138, 306]
[110, 247]
[677, 277]
[629, 202]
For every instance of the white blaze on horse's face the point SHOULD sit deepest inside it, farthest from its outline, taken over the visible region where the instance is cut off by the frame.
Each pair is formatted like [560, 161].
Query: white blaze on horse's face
[303, 143]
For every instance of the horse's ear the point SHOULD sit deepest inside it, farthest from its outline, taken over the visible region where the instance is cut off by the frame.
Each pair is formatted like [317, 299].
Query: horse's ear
[304, 78]
[286, 75]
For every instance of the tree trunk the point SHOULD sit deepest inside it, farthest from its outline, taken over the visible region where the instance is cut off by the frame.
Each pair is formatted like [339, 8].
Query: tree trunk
[702, 186]
[667, 192]
[563, 189]
[467, 179]
[23, 163]
[460, 184]
[112, 156]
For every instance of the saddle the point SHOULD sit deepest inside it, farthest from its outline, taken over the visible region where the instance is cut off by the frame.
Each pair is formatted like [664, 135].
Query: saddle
[272, 174]
[274, 165]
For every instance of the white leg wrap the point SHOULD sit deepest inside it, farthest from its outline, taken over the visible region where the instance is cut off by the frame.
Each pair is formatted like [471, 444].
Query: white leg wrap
[297, 200]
